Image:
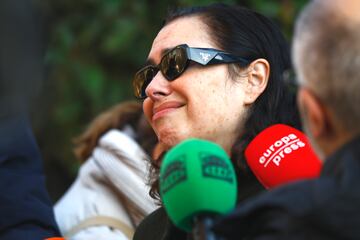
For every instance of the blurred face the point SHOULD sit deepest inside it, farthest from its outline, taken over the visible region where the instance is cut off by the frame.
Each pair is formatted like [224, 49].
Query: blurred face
[300, 59]
[203, 102]
[306, 109]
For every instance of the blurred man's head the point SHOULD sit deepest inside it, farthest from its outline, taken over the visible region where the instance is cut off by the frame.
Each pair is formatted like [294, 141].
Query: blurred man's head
[327, 61]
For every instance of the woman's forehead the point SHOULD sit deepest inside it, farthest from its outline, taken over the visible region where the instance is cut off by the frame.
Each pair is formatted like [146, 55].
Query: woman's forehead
[185, 30]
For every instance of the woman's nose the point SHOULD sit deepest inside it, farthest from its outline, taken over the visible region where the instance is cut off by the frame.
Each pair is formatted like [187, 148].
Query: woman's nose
[159, 87]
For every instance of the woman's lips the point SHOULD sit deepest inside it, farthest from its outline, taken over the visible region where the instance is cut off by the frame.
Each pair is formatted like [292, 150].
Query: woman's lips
[165, 108]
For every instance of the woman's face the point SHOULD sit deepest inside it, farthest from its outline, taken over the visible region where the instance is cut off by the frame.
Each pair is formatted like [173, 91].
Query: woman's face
[204, 102]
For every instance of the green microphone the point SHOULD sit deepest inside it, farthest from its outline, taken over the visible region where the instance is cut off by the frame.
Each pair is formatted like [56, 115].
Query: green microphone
[197, 181]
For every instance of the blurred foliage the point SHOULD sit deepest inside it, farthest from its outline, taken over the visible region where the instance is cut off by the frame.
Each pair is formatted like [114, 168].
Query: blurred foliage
[94, 48]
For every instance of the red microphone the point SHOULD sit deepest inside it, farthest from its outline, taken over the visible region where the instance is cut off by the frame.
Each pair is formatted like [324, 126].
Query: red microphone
[281, 154]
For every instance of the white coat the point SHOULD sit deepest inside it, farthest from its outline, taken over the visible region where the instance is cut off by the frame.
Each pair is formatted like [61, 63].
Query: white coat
[91, 195]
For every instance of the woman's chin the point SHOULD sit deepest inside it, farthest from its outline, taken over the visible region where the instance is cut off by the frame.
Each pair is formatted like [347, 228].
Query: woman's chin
[170, 139]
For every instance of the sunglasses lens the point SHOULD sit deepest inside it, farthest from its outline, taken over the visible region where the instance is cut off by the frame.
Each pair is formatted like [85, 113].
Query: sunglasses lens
[142, 80]
[174, 63]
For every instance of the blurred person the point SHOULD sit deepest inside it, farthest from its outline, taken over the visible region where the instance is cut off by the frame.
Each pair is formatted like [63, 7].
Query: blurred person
[214, 72]
[327, 61]
[25, 207]
[109, 196]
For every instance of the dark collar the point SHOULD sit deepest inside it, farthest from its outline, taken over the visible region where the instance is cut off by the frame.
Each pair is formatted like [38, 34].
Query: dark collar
[348, 152]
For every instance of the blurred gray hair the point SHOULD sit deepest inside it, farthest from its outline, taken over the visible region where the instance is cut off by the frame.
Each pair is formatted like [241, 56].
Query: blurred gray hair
[326, 54]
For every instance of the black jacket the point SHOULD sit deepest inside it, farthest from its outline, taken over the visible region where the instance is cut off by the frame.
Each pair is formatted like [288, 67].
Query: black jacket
[325, 208]
[157, 226]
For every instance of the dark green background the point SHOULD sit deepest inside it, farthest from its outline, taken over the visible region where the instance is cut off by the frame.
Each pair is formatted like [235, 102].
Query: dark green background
[93, 49]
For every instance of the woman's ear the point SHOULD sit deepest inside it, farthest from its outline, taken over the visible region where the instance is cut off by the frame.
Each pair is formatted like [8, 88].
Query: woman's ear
[258, 76]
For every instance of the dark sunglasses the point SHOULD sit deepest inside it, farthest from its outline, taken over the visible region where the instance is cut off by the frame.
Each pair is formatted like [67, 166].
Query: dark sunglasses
[175, 62]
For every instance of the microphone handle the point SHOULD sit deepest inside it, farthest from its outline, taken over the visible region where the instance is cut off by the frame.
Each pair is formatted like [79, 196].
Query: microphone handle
[202, 226]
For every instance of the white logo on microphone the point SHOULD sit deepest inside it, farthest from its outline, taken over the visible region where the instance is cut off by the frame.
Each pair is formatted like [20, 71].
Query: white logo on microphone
[277, 151]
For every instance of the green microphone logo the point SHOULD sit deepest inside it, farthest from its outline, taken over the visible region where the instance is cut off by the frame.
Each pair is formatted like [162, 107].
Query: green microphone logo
[174, 174]
[215, 167]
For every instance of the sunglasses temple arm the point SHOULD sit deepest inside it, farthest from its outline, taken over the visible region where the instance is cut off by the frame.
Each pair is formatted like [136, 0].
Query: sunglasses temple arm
[224, 58]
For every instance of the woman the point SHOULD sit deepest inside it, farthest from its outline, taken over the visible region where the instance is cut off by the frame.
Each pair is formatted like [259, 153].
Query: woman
[109, 197]
[216, 73]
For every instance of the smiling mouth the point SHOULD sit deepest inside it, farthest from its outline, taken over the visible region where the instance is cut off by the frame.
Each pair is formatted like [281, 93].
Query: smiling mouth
[164, 109]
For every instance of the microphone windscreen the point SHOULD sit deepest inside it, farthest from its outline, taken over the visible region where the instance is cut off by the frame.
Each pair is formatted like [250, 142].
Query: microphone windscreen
[196, 178]
[281, 154]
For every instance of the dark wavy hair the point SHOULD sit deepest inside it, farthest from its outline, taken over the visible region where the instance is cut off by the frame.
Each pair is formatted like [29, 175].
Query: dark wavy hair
[248, 34]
